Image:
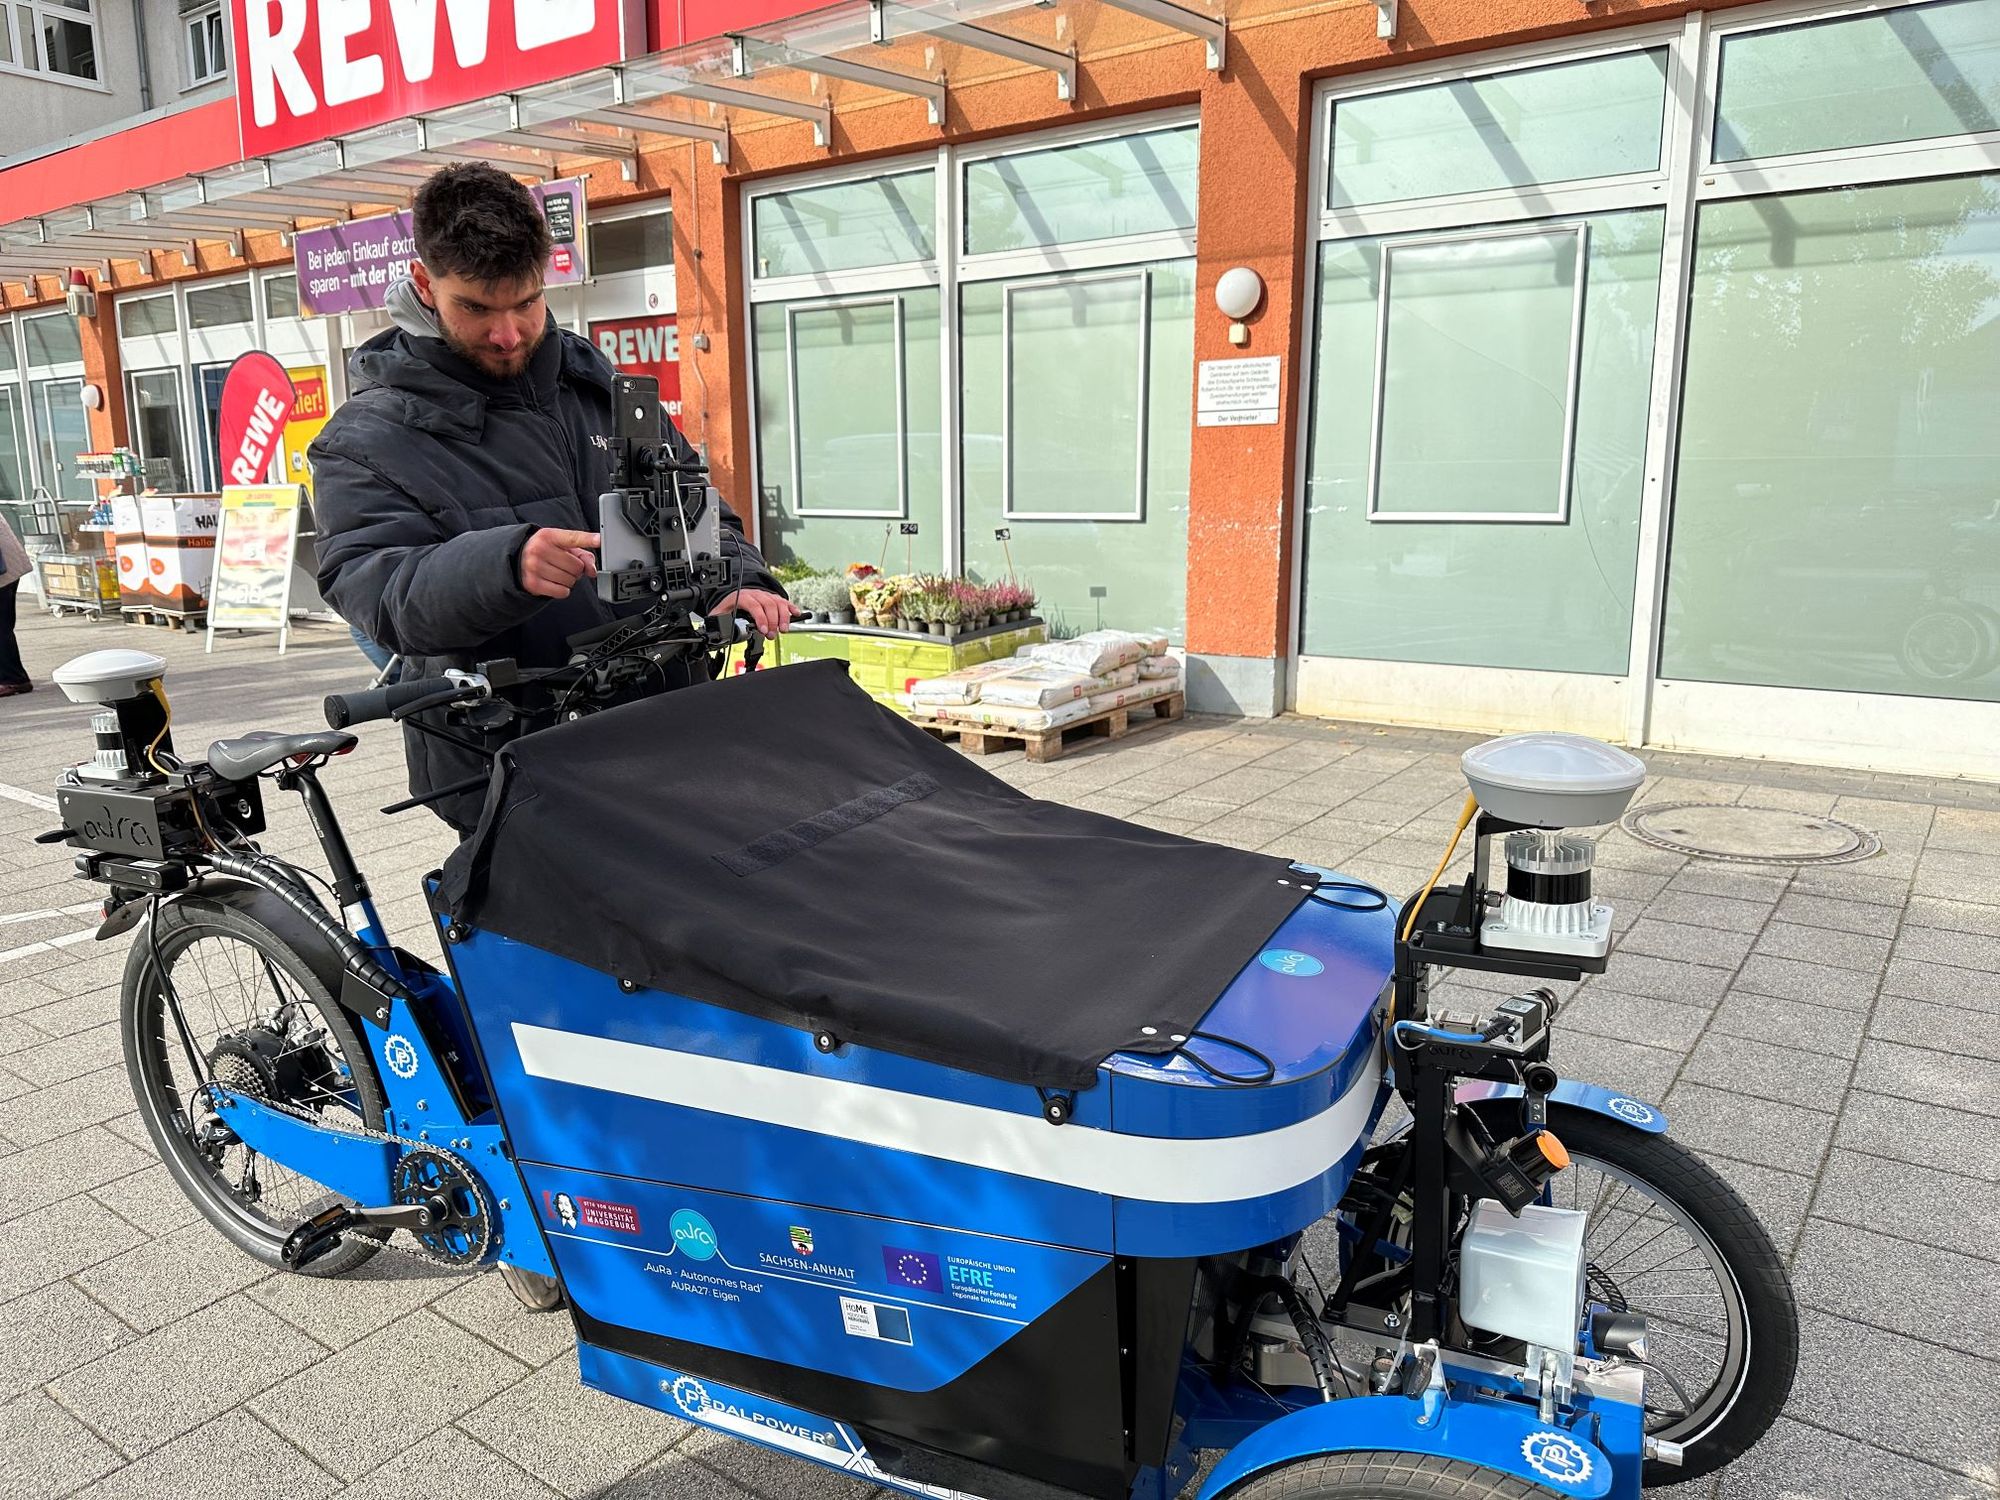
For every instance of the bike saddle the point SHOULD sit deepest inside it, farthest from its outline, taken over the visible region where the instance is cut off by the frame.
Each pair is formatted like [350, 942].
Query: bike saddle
[259, 750]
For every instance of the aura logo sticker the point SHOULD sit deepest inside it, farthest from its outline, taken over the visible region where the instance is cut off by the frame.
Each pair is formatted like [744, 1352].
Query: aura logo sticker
[693, 1235]
[1554, 1456]
[401, 1055]
[1291, 962]
[1630, 1109]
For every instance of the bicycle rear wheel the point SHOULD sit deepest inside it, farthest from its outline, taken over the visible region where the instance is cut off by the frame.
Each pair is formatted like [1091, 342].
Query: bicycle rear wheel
[260, 1011]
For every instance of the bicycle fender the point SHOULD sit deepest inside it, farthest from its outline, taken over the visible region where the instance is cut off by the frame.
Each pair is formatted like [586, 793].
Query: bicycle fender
[1504, 1436]
[1636, 1114]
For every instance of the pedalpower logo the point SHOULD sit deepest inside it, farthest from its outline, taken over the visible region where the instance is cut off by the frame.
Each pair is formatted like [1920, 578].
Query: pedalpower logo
[310, 69]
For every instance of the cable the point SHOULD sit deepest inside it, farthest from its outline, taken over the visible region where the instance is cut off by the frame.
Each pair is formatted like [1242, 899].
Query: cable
[1464, 818]
[166, 708]
[1270, 1068]
[1381, 898]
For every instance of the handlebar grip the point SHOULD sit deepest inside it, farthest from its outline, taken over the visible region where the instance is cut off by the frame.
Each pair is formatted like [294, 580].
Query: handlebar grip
[343, 709]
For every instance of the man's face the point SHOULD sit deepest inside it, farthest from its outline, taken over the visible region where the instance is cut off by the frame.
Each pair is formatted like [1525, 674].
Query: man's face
[494, 325]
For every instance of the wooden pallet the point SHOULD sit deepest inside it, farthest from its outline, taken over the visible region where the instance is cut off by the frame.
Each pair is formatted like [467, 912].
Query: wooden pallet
[164, 618]
[1047, 744]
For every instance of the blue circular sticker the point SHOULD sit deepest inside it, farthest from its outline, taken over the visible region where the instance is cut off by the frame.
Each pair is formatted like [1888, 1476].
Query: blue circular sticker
[1290, 961]
[693, 1236]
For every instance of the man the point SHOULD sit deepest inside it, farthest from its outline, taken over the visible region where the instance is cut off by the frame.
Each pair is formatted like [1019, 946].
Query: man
[456, 490]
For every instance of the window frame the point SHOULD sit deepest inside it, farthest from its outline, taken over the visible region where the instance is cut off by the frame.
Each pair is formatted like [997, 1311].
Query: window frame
[1565, 481]
[945, 272]
[43, 10]
[218, 52]
[1838, 166]
[1143, 274]
[893, 300]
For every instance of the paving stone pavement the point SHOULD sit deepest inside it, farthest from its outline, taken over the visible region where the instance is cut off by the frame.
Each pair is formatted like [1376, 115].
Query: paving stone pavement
[1823, 1036]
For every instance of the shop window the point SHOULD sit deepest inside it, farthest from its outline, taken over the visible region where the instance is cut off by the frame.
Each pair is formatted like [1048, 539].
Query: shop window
[158, 429]
[1479, 323]
[63, 429]
[57, 38]
[1077, 394]
[1835, 520]
[849, 433]
[640, 242]
[1475, 376]
[1073, 426]
[1598, 117]
[206, 58]
[220, 306]
[52, 340]
[13, 448]
[7, 357]
[147, 317]
[1912, 73]
[844, 226]
[1135, 184]
[281, 297]
[847, 428]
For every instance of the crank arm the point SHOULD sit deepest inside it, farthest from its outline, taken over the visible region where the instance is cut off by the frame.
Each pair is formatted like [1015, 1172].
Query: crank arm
[321, 1234]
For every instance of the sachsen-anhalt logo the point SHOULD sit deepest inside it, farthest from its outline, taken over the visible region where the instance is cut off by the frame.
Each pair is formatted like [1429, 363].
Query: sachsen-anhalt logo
[1554, 1456]
[400, 1055]
[802, 1239]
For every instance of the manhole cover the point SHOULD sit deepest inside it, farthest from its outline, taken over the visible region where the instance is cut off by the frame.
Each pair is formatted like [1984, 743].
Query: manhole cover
[1750, 835]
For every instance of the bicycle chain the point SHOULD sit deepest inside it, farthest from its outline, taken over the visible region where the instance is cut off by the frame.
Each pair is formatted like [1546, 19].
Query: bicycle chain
[487, 1213]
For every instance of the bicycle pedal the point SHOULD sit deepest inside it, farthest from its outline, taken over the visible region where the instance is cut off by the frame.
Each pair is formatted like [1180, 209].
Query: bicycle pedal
[317, 1236]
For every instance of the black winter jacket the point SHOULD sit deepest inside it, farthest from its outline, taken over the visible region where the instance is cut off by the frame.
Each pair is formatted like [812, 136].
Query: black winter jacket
[427, 482]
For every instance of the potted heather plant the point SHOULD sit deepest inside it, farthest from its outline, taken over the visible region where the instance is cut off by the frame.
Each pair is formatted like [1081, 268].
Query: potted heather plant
[825, 596]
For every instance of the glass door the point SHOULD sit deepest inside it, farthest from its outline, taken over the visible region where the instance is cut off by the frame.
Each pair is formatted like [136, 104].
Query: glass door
[159, 430]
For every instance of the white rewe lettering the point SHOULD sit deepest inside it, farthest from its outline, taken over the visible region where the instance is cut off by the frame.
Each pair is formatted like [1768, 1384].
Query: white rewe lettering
[415, 23]
[273, 63]
[542, 23]
[345, 78]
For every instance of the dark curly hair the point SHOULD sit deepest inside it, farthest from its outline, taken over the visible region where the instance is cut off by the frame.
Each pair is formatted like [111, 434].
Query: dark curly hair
[473, 220]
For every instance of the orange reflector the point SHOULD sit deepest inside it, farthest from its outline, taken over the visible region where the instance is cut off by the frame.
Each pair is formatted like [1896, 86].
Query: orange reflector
[1553, 1150]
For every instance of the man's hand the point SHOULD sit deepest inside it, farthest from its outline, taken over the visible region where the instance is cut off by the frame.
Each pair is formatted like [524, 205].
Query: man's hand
[771, 613]
[552, 561]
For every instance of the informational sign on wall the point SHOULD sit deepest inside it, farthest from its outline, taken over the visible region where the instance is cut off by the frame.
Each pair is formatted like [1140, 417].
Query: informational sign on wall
[1237, 393]
[644, 346]
[350, 267]
[252, 586]
[310, 69]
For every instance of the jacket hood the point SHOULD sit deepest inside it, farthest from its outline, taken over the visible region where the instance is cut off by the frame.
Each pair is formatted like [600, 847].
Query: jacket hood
[437, 391]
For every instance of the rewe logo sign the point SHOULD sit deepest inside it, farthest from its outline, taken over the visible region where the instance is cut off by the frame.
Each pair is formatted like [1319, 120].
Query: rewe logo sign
[310, 69]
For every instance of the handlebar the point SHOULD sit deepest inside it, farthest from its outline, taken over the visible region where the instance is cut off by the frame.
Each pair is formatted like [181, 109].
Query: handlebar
[343, 709]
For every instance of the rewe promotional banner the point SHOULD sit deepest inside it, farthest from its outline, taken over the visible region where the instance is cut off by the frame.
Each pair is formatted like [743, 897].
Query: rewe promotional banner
[350, 267]
[256, 404]
[310, 69]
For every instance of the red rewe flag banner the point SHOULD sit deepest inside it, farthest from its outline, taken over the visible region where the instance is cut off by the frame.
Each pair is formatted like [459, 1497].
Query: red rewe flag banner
[257, 400]
[310, 69]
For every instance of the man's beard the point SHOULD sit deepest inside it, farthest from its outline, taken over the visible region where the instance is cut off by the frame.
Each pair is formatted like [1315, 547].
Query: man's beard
[491, 361]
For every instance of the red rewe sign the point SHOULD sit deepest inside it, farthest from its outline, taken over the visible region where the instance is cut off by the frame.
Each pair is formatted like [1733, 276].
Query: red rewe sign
[644, 346]
[310, 69]
[256, 404]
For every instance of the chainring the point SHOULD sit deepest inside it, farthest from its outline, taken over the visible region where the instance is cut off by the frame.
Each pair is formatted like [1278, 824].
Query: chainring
[464, 1231]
